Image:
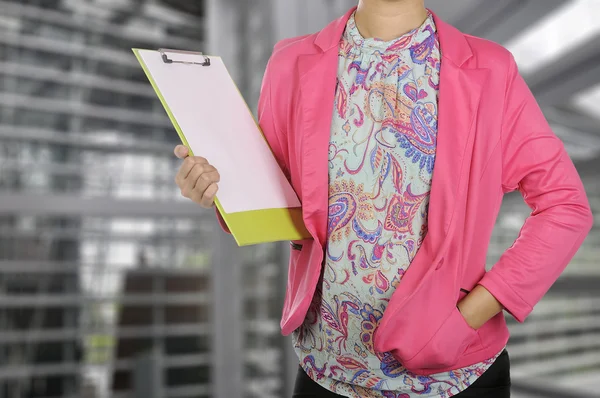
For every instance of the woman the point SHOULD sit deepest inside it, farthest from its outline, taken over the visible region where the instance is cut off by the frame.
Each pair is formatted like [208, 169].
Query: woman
[400, 136]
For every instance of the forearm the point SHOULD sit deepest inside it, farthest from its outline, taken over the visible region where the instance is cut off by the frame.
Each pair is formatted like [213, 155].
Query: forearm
[478, 307]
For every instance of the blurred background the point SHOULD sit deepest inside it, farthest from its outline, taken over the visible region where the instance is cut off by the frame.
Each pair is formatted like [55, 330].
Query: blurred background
[111, 285]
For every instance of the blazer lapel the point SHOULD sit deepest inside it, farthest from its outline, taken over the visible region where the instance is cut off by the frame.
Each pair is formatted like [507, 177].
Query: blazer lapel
[317, 90]
[458, 102]
[318, 74]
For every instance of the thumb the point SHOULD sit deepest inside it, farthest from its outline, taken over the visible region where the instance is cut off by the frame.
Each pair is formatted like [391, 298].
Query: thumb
[181, 151]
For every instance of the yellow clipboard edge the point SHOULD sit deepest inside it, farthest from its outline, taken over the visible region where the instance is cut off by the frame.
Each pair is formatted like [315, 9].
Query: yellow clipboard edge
[262, 220]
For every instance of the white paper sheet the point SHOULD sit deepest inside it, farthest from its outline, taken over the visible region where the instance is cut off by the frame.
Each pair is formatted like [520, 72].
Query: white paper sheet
[219, 126]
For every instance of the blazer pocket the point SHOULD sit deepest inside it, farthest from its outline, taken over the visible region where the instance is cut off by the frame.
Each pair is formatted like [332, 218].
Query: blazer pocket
[446, 346]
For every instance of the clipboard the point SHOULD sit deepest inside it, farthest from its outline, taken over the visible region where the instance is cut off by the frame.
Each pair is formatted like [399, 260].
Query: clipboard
[255, 199]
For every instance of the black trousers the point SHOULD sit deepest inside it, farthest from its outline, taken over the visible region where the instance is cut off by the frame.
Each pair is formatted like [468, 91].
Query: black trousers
[493, 383]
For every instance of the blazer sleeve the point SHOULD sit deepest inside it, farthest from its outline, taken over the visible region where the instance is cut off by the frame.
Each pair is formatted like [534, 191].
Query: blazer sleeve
[535, 163]
[266, 122]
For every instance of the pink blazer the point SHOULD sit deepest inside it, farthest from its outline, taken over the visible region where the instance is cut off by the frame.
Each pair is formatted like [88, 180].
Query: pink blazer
[492, 139]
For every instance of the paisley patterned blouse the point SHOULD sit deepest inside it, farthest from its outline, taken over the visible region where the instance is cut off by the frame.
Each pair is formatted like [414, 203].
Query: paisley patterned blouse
[381, 159]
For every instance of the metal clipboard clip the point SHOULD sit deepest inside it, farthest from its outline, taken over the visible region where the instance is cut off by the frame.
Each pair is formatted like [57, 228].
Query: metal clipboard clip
[163, 53]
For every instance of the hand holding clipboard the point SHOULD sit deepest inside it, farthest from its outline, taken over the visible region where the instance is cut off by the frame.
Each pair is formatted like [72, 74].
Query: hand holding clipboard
[197, 179]
[255, 199]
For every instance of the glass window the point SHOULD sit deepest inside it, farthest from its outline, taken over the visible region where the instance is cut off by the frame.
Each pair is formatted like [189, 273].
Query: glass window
[9, 23]
[589, 101]
[556, 34]
[43, 119]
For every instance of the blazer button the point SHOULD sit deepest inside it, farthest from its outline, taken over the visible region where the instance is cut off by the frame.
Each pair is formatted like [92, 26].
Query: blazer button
[440, 263]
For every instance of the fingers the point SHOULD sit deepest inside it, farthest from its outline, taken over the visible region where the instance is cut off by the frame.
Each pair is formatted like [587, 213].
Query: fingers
[209, 196]
[206, 187]
[208, 176]
[186, 166]
[196, 178]
[201, 184]
[199, 179]
[181, 151]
